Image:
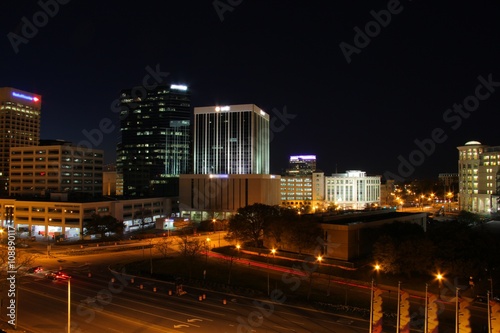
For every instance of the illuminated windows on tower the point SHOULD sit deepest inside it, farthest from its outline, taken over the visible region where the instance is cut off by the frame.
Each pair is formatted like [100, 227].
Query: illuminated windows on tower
[155, 143]
[231, 139]
[19, 125]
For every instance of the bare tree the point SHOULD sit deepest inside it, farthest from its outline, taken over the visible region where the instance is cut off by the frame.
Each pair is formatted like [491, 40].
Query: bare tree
[142, 214]
[162, 245]
[190, 249]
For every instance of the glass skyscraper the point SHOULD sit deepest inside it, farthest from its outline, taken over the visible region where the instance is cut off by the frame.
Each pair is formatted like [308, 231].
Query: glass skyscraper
[155, 140]
[231, 139]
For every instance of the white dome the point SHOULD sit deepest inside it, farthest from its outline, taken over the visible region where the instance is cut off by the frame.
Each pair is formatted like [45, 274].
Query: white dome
[472, 143]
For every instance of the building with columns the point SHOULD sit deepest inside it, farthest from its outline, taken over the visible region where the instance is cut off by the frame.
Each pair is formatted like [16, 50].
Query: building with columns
[352, 189]
[479, 177]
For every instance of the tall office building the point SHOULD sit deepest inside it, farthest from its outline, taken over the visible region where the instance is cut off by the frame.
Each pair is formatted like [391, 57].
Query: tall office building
[231, 139]
[231, 163]
[479, 177]
[155, 140]
[19, 126]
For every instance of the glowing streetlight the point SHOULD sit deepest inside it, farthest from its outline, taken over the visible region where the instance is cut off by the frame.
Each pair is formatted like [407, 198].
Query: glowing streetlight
[440, 278]
[273, 251]
[207, 247]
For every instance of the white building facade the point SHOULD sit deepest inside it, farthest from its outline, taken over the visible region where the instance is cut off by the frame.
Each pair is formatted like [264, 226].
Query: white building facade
[352, 190]
[479, 177]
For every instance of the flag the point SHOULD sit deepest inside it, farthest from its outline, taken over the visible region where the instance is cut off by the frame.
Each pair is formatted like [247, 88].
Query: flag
[464, 316]
[404, 312]
[432, 314]
[377, 311]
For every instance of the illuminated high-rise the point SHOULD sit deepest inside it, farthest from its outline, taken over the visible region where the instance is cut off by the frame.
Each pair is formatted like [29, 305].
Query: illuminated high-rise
[231, 163]
[19, 126]
[155, 140]
[231, 139]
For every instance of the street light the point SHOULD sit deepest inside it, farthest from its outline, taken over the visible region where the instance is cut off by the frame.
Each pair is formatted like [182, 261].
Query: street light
[207, 247]
[238, 246]
[273, 251]
[318, 259]
[214, 221]
[450, 196]
[440, 278]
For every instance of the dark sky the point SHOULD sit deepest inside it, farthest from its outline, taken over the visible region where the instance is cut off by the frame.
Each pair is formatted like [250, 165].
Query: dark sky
[284, 56]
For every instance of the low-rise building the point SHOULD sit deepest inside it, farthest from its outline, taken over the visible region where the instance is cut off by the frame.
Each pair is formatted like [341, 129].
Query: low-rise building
[205, 197]
[65, 219]
[57, 166]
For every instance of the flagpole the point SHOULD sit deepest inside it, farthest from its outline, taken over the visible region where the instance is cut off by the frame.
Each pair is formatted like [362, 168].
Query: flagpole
[371, 308]
[456, 312]
[489, 311]
[398, 322]
[426, 318]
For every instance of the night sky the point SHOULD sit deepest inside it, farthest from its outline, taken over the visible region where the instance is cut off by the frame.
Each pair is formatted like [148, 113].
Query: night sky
[284, 56]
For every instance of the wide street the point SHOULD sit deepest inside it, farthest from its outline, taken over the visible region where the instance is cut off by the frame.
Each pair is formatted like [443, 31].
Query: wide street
[100, 305]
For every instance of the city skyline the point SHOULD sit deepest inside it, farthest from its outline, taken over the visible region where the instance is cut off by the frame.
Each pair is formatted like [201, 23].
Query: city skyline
[361, 86]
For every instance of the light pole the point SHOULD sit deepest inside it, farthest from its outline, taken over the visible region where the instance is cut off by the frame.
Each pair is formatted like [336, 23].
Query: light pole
[151, 256]
[238, 246]
[377, 268]
[371, 309]
[440, 278]
[207, 247]
[318, 259]
[273, 251]
[69, 305]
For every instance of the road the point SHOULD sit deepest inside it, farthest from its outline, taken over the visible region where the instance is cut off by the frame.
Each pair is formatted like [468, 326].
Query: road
[99, 305]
